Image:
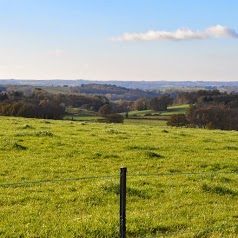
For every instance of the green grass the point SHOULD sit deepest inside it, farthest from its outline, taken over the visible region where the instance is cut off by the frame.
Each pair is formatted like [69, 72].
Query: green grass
[145, 122]
[171, 110]
[81, 118]
[150, 117]
[80, 112]
[181, 201]
[141, 112]
[176, 109]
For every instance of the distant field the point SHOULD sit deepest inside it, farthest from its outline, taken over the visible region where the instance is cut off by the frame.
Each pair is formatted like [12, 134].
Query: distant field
[176, 109]
[61, 179]
[81, 118]
[141, 112]
[154, 118]
[56, 89]
[171, 110]
[145, 122]
[76, 114]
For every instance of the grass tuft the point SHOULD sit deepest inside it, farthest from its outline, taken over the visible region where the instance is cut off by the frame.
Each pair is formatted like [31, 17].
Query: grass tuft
[139, 147]
[11, 145]
[114, 131]
[136, 192]
[231, 147]
[218, 190]
[27, 127]
[112, 188]
[152, 155]
[44, 133]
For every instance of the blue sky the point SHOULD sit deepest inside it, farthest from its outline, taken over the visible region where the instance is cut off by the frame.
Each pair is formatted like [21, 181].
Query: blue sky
[119, 39]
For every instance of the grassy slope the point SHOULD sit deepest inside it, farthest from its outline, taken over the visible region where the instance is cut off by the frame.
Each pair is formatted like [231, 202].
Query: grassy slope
[145, 122]
[57, 89]
[171, 110]
[33, 150]
[156, 119]
[176, 109]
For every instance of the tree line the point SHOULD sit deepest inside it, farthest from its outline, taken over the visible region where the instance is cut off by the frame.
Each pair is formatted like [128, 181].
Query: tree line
[114, 92]
[42, 104]
[208, 109]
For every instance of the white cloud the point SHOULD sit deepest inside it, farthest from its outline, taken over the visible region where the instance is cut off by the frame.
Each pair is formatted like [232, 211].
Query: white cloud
[217, 31]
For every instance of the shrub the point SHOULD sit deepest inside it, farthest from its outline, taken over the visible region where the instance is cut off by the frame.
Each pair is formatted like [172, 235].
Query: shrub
[210, 126]
[114, 118]
[177, 120]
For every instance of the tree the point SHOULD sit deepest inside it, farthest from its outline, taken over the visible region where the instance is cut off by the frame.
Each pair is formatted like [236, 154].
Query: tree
[213, 116]
[26, 110]
[161, 104]
[177, 120]
[105, 110]
[140, 104]
[50, 110]
[3, 96]
[122, 106]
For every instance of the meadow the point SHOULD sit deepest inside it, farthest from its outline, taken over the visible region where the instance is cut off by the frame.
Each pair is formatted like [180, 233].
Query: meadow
[171, 110]
[142, 117]
[61, 179]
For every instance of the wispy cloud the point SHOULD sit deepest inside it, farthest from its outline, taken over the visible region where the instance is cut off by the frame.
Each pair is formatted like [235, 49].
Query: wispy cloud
[217, 31]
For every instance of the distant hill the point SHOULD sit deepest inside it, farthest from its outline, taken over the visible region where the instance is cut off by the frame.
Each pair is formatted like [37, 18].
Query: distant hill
[144, 85]
[114, 92]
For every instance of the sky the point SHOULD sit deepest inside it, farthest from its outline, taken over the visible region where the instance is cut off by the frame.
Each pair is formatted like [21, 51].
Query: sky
[136, 40]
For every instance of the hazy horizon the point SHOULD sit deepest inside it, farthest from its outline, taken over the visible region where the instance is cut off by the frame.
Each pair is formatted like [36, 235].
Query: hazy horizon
[103, 40]
[148, 81]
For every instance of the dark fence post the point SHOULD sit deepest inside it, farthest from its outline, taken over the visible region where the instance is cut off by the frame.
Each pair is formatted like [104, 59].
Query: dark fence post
[123, 203]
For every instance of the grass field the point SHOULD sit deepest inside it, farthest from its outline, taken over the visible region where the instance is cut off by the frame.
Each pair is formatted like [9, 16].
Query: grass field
[181, 182]
[81, 118]
[144, 117]
[171, 110]
[175, 109]
[145, 122]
